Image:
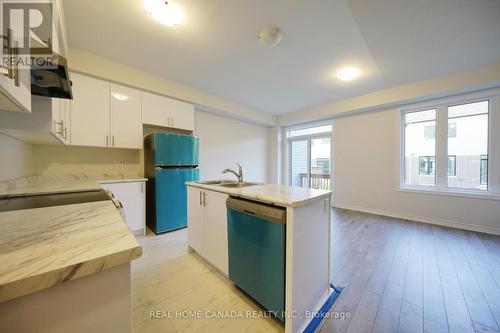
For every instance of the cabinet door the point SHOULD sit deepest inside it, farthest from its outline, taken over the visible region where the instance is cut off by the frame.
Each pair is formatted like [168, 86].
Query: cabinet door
[61, 122]
[126, 125]
[216, 230]
[66, 117]
[182, 115]
[90, 112]
[57, 116]
[156, 110]
[16, 93]
[195, 217]
[131, 195]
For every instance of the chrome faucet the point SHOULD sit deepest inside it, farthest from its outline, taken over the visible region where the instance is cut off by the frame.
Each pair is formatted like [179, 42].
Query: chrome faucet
[238, 174]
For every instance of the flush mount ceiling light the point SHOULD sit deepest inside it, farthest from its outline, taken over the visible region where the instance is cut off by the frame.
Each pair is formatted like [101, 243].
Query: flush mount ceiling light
[167, 13]
[270, 35]
[348, 73]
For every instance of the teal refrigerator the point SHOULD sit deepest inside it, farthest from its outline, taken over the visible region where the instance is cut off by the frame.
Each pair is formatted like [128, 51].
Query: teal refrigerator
[170, 160]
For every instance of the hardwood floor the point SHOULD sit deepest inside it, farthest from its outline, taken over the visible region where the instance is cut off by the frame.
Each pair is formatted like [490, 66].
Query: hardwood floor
[402, 276]
[399, 276]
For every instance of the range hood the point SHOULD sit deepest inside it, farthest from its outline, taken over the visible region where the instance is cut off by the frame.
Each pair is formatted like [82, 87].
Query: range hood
[52, 81]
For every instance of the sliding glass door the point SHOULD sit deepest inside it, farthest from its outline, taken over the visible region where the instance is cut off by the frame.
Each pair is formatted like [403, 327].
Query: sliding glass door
[310, 157]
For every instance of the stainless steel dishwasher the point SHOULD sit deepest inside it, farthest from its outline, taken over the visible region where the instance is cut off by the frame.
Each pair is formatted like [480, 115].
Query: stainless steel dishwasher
[256, 242]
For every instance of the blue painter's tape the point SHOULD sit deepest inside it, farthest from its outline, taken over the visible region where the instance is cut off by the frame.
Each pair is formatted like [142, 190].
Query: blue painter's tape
[314, 323]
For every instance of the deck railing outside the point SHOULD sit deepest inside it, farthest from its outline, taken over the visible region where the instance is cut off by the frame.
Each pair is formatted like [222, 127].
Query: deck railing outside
[320, 181]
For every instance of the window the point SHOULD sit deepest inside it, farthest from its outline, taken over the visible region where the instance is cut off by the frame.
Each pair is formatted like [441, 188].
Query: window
[310, 157]
[452, 130]
[420, 148]
[483, 169]
[446, 148]
[469, 145]
[452, 166]
[426, 165]
[430, 132]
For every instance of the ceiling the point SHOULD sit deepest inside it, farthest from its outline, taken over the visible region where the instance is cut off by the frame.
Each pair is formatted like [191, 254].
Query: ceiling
[216, 49]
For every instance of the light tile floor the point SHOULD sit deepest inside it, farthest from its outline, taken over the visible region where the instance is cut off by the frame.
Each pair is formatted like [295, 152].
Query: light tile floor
[189, 295]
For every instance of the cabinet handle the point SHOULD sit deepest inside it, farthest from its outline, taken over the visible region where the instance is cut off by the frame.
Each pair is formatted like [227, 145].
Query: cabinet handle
[61, 126]
[204, 199]
[16, 72]
[8, 46]
[113, 140]
[65, 133]
[201, 193]
[106, 140]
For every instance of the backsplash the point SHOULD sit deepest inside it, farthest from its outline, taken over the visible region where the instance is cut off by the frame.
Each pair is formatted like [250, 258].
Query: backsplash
[90, 161]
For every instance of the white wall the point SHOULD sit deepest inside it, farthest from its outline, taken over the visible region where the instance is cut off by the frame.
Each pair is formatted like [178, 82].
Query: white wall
[224, 141]
[16, 158]
[366, 173]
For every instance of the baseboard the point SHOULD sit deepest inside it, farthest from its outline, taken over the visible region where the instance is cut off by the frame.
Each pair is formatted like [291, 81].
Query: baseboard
[423, 219]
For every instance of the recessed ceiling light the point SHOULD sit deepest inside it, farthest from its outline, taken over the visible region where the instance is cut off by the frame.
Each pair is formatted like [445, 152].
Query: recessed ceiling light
[167, 13]
[349, 73]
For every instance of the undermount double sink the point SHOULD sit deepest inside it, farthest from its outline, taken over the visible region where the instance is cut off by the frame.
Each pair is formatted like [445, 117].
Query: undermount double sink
[227, 183]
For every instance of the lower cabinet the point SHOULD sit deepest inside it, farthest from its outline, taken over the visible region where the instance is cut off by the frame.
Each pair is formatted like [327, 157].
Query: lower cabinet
[132, 196]
[207, 226]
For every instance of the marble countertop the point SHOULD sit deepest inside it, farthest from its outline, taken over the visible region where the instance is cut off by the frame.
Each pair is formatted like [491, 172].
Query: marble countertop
[48, 188]
[281, 195]
[128, 180]
[44, 247]
[53, 186]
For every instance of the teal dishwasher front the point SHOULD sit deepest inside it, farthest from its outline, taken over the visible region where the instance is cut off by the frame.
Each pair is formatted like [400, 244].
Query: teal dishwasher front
[256, 241]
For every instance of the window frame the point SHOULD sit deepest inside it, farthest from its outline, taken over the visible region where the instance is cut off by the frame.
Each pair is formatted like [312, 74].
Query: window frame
[308, 138]
[441, 184]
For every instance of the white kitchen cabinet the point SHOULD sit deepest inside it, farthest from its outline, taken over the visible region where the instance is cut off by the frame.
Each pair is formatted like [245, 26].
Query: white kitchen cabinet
[61, 119]
[90, 115]
[132, 196]
[195, 215]
[15, 83]
[126, 124]
[166, 112]
[105, 114]
[182, 115]
[207, 226]
[216, 248]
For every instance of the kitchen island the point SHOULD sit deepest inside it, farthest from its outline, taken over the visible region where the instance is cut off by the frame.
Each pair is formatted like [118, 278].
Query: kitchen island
[306, 240]
[66, 269]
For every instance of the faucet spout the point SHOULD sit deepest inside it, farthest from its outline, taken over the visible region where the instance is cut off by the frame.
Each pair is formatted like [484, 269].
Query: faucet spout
[238, 174]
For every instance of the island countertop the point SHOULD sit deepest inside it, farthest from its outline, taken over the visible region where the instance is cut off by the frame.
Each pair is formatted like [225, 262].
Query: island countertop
[44, 247]
[281, 195]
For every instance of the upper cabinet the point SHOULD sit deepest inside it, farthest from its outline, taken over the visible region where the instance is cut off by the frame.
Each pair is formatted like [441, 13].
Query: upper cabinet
[90, 112]
[126, 124]
[61, 119]
[166, 112]
[182, 114]
[104, 114]
[15, 81]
